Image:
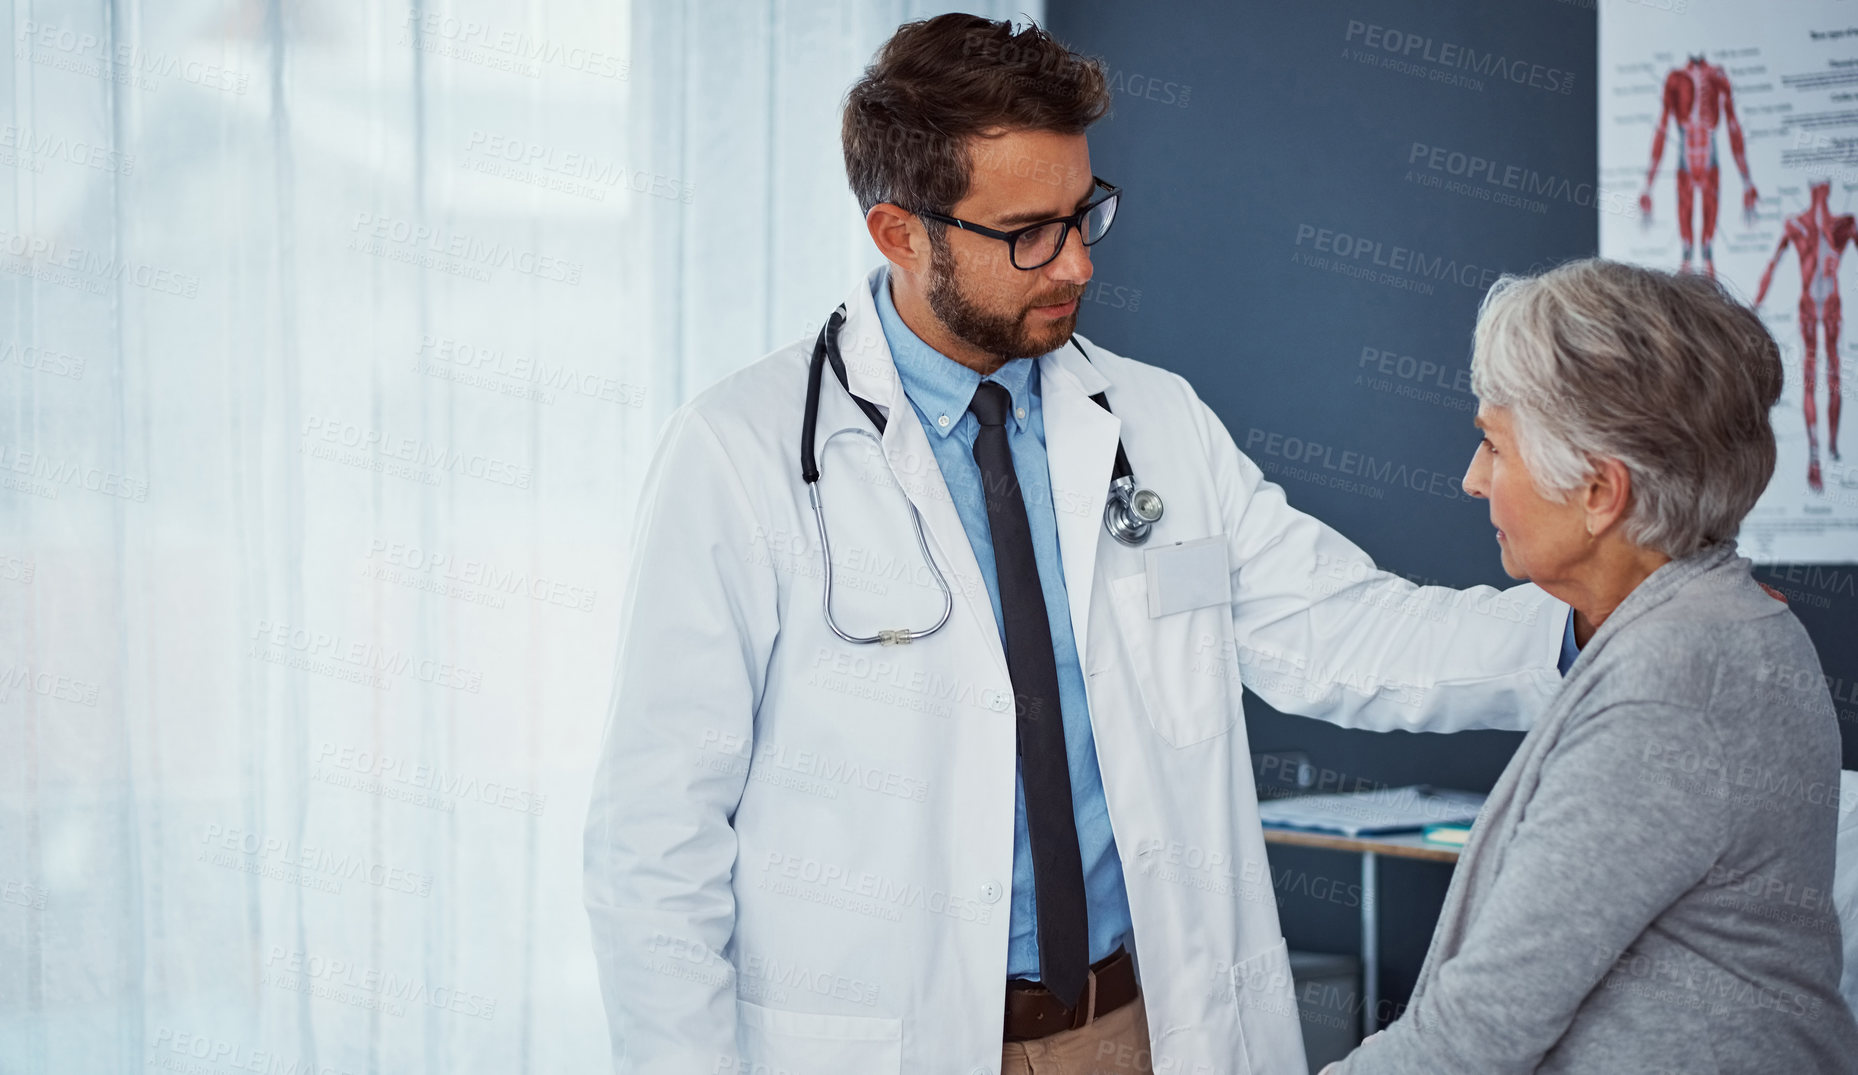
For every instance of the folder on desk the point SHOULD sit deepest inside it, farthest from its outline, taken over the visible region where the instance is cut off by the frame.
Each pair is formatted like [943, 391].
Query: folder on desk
[1373, 813]
[1456, 835]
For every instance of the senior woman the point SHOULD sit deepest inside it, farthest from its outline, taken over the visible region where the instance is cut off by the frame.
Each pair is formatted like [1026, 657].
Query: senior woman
[1647, 887]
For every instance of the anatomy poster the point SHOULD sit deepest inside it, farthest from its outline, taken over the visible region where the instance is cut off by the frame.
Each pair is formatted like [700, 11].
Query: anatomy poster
[1729, 145]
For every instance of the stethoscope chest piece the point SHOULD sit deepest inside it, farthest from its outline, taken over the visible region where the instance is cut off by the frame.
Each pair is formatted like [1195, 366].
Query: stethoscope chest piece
[1131, 512]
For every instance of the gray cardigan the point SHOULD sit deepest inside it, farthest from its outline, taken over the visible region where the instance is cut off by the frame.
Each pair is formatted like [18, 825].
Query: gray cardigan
[1648, 886]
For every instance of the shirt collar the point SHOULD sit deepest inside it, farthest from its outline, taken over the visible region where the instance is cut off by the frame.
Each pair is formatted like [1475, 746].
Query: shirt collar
[940, 386]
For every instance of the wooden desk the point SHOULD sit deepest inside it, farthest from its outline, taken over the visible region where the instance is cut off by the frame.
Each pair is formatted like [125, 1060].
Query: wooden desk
[1370, 848]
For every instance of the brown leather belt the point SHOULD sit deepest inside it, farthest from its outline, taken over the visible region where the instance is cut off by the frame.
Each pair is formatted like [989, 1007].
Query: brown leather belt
[1033, 1012]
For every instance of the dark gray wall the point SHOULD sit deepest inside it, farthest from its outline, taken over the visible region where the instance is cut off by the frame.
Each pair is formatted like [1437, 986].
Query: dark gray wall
[1257, 141]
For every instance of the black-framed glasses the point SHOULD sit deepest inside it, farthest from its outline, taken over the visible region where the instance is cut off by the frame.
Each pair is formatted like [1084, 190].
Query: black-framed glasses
[1037, 244]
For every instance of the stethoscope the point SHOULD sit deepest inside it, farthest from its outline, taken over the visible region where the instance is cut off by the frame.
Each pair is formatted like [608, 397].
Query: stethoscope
[1129, 514]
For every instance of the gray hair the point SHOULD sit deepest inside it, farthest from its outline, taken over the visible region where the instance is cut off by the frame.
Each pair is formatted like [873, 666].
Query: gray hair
[1666, 373]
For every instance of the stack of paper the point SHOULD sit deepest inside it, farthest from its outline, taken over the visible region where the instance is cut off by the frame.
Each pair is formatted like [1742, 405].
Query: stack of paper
[1369, 813]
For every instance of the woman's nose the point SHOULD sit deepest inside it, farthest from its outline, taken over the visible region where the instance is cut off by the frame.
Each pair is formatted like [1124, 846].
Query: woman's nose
[1473, 477]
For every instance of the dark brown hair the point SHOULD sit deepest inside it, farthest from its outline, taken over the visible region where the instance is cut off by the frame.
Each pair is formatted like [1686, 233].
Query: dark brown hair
[937, 84]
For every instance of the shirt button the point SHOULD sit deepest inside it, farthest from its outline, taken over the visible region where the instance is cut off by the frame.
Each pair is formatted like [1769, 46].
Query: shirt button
[1020, 413]
[999, 703]
[990, 892]
[942, 421]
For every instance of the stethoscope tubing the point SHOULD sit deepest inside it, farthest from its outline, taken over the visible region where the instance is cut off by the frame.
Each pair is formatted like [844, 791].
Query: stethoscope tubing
[1132, 531]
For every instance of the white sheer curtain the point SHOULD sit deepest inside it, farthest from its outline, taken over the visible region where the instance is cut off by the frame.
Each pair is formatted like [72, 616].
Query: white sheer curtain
[333, 343]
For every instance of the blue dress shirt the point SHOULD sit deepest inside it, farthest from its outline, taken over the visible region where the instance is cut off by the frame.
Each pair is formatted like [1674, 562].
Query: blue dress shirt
[939, 390]
[1569, 650]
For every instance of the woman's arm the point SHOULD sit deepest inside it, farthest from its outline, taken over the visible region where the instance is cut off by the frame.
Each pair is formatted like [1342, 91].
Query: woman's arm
[1618, 828]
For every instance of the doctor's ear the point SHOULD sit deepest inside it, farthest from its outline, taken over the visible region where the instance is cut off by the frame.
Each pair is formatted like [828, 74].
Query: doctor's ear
[899, 236]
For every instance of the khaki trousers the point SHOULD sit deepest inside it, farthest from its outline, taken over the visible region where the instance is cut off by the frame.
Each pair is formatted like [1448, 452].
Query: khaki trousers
[1116, 1044]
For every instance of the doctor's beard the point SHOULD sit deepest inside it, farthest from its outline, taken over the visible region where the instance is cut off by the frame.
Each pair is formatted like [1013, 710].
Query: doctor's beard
[1008, 335]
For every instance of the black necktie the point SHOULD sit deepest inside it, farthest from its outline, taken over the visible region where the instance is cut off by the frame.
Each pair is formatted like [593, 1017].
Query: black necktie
[1057, 865]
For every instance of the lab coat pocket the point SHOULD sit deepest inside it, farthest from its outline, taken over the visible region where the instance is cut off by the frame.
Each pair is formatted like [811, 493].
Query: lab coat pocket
[804, 1042]
[1180, 661]
[1267, 1002]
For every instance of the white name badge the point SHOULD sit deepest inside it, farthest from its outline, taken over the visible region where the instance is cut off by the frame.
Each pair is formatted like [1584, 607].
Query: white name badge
[1188, 575]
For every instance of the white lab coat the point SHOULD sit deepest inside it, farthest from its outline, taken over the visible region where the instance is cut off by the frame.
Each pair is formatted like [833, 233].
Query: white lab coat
[799, 850]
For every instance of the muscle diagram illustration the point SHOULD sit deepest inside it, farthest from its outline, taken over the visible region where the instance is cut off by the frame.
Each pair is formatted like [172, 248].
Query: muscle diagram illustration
[1697, 96]
[1819, 238]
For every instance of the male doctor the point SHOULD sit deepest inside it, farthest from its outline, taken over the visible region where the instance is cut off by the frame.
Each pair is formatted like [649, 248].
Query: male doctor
[1026, 841]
